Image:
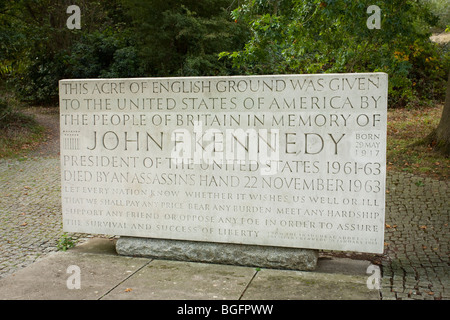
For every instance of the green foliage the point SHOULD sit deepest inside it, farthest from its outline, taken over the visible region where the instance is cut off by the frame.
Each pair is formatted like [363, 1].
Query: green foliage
[44, 50]
[184, 38]
[65, 242]
[440, 8]
[10, 115]
[103, 54]
[331, 36]
[120, 38]
[132, 38]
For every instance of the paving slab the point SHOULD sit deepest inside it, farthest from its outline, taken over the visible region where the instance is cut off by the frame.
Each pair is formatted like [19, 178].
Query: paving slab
[175, 280]
[334, 279]
[46, 279]
[299, 285]
[108, 276]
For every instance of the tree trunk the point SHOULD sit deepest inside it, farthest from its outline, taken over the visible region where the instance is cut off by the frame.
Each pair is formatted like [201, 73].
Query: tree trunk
[440, 137]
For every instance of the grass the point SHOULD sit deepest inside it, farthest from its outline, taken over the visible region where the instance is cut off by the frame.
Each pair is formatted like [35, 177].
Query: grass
[19, 132]
[406, 129]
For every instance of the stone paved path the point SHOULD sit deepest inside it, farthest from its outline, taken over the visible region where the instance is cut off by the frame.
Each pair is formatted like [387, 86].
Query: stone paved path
[416, 260]
[30, 204]
[30, 211]
[415, 264]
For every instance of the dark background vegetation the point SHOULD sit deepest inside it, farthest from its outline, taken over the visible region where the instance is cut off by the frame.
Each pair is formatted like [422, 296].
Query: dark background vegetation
[132, 38]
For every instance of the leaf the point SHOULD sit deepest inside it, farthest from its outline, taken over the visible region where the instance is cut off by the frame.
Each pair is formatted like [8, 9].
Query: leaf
[128, 290]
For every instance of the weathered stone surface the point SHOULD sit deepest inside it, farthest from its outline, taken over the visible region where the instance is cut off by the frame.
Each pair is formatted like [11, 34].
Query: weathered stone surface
[176, 280]
[221, 253]
[274, 160]
[291, 285]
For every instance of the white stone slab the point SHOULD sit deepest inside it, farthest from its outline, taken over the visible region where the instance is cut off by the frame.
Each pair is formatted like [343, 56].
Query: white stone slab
[288, 160]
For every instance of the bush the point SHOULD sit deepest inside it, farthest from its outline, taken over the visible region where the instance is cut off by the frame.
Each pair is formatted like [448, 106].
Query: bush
[184, 38]
[331, 36]
[441, 9]
[103, 54]
[37, 49]
[122, 38]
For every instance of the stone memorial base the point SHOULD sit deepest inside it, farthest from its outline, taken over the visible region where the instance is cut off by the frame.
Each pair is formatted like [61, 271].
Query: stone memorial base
[220, 253]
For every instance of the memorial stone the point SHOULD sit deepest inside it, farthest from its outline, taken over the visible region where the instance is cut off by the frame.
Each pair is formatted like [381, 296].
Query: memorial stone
[292, 161]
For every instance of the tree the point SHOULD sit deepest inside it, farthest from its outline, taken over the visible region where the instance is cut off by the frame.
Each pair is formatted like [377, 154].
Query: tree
[118, 38]
[440, 137]
[37, 48]
[184, 38]
[331, 36]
